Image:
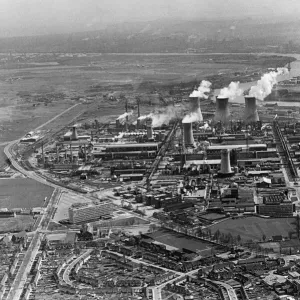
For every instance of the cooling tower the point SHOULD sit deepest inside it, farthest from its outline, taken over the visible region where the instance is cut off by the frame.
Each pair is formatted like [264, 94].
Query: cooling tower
[195, 107]
[74, 136]
[225, 162]
[250, 114]
[149, 130]
[222, 113]
[188, 134]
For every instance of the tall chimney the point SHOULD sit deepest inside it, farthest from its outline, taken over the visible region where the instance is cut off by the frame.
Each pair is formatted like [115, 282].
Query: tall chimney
[126, 109]
[149, 129]
[74, 135]
[222, 113]
[250, 114]
[225, 162]
[138, 123]
[188, 134]
[195, 107]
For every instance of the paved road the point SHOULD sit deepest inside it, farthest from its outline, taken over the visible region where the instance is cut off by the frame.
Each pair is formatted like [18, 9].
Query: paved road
[230, 290]
[21, 277]
[68, 269]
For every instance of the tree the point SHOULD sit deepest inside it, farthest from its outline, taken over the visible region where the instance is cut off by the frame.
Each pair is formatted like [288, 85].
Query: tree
[152, 227]
[209, 232]
[238, 238]
[264, 237]
[217, 235]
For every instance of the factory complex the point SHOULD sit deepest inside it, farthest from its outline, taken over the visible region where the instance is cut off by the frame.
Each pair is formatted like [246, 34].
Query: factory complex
[198, 200]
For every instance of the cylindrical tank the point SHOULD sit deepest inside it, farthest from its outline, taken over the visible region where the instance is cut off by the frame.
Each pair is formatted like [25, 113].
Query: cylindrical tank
[188, 134]
[225, 162]
[222, 113]
[250, 114]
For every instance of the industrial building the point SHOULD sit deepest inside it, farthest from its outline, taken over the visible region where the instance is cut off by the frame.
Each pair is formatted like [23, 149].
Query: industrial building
[83, 213]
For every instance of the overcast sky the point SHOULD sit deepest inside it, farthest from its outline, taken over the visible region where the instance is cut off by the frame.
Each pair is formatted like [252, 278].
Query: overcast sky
[29, 17]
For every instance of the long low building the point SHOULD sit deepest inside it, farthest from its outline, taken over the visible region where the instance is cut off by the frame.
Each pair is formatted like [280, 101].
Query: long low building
[251, 147]
[125, 147]
[83, 212]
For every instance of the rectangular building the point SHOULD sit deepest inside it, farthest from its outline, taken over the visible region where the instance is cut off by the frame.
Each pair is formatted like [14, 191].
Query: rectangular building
[81, 213]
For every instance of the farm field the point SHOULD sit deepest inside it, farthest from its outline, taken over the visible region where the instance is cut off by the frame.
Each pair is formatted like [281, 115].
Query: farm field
[180, 241]
[254, 228]
[23, 193]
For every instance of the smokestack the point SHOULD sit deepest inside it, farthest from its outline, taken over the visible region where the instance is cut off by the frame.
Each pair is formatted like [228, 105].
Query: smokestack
[149, 130]
[138, 123]
[188, 134]
[222, 113]
[195, 108]
[74, 136]
[225, 162]
[250, 114]
[126, 109]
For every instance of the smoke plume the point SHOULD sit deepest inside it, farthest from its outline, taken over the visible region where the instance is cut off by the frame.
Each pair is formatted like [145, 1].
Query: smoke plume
[202, 90]
[232, 91]
[264, 86]
[192, 117]
[126, 114]
[164, 116]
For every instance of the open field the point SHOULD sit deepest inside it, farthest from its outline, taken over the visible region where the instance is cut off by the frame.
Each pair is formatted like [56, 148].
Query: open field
[23, 193]
[33, 93]
[19, 223]
[254, 228]
[180, 241]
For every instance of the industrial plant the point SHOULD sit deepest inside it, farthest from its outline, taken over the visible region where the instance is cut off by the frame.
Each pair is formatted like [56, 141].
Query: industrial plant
[205, 187]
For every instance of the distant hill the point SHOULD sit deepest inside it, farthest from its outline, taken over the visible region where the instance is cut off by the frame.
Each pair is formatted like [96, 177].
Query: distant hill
[161, 36]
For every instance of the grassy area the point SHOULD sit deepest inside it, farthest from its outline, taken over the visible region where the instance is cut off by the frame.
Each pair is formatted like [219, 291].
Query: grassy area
[38, 93]
[254, 227]
[19, 223]
[23, 193]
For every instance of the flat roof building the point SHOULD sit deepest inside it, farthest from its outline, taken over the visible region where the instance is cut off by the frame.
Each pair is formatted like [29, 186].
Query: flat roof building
[81, 213]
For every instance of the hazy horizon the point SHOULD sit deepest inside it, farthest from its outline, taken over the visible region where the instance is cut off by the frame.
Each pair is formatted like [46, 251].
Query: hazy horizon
[35, 17]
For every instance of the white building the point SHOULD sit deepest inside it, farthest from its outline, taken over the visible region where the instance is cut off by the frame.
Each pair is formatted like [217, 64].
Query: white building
[84, 212]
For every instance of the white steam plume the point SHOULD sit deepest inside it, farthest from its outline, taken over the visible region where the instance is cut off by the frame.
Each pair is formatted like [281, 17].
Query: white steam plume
[202, 90]
[192, 117]
[264, 86]
[126, 114]
[232, 91]
[164, 116]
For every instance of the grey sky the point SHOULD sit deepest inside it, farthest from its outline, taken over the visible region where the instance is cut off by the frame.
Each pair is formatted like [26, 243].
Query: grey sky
[29, 17]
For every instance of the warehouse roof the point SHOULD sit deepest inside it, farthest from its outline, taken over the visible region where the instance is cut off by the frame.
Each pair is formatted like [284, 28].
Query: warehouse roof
[244, 146]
